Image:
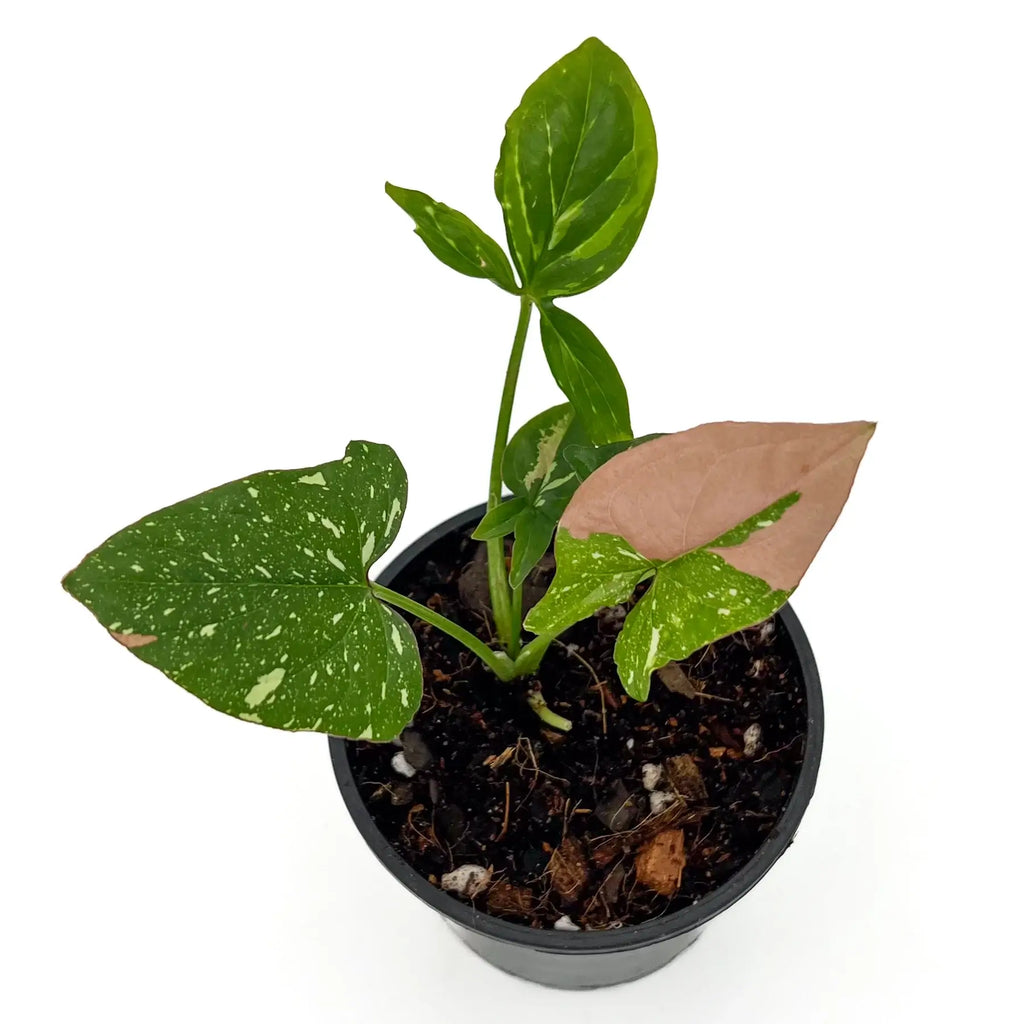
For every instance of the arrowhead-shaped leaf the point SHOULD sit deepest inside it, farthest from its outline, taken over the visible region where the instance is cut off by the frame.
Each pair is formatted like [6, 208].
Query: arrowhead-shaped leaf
[254, 597]
[454, 239]
[726, 516]
[587, 376]
[576, 172]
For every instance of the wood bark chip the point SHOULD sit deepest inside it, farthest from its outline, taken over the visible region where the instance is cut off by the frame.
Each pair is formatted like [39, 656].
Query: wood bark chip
[568, 869]
[685, 778]
[510, 900]
[660, 862]
[682, 491]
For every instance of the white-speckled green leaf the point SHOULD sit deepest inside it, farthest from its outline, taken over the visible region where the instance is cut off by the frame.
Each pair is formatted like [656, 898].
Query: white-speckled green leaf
[254, 597]
[692, 601]
[576, 172]
[597, 572]
[454, 239]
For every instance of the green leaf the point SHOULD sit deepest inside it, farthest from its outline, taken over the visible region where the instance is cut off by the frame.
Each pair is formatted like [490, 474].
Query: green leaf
[694, 600]
[535, 470]
[576, 172]
[530, 457]
[254, 597]
[454, 239]
[587, 376]
[500, 521]
[535, 527]
[593, 573]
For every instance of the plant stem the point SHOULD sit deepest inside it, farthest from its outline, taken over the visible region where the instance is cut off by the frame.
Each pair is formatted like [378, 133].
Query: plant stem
[506, 620]
[540, 708]
[530, 656]
[497, 661]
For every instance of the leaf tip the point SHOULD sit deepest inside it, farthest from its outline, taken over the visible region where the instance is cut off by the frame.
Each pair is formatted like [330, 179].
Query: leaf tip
[132, 640]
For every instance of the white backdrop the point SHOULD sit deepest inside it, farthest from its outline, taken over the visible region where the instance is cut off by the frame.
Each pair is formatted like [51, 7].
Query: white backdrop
[202, 277]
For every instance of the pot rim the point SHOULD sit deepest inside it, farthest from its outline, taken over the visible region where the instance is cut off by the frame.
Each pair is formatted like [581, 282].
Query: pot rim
[612, 939]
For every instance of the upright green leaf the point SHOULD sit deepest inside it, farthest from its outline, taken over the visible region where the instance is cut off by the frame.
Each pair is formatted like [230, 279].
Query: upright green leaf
[254, 597]
[535, 470]
[576, 172]
[531, 457]
[538, 470]
[726, 516]
[454, 239]
[587, 376]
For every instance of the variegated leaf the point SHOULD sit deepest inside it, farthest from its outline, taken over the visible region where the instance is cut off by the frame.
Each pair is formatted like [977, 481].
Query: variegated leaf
[454, 239]
[726, 517]
[541, 482]
[254, 596]
[576, 172]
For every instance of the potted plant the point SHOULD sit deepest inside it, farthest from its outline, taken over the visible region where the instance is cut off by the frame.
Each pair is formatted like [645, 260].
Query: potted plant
[579, 720]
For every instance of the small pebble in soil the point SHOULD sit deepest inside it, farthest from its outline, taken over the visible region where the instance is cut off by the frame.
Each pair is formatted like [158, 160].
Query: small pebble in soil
[402, 766]
[751, 740]
[651, 775]
[470, 880]
[661, 801]
[565, 924]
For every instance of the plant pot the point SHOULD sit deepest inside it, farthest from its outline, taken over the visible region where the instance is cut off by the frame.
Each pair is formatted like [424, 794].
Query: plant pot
[591, 959]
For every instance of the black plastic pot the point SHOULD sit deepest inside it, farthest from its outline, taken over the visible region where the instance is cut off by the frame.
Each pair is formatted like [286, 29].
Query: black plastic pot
[591, 959]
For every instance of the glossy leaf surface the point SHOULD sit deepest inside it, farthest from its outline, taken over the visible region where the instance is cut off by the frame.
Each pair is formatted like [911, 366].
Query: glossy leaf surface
[588, 377]
[454, 239]
[254, 597]
[576, 172]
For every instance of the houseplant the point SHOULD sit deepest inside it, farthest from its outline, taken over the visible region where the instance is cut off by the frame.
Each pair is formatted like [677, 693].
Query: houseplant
[256, 597]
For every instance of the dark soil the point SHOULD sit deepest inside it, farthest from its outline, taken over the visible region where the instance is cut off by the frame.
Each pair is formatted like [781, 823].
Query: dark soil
[564, 820]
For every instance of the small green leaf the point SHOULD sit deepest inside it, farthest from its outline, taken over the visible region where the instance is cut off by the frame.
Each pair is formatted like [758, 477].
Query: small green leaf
[454, 239]
[593, 573]
[587, 376]
[576, 172]
[693, 601]
[530, 456]
[254, 597]
[534, 468]
[500, 521]
[534, 529]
